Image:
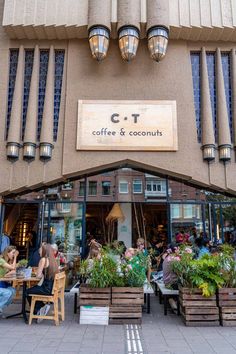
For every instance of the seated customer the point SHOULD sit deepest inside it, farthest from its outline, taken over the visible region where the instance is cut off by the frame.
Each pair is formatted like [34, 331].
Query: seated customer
[47, 270]
[170, 279]
[203, 246]
[7, 266]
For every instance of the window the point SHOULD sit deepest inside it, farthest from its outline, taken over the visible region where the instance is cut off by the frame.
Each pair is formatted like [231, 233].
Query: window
[92, 189]
[211, 68]
[195, 62]
[59, 65]
[156, 186]
[67, 186]
[29, 58]
[175, 211]
[188, 211]
[106, 188]
[81, 188]
[65, 207]
[226, 66]
[123, 187]
[196, 77]
[137, 186]
[43, 70]
[11, 85]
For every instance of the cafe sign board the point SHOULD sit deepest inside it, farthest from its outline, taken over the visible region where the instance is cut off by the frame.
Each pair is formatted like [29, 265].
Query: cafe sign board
[127, 125]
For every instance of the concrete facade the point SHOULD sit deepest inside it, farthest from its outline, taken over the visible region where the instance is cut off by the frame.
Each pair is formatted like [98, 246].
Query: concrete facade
[194, 26]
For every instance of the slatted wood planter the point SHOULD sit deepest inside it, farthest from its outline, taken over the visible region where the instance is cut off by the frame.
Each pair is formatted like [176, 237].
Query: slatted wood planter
[94, 296]
[227, 305]
[198, 310]
[126, 305]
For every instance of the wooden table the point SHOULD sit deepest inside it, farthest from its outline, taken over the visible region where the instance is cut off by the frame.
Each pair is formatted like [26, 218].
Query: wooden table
[23, 302]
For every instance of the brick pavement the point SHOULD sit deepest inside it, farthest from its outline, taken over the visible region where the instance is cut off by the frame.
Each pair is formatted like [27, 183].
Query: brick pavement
[158, 334]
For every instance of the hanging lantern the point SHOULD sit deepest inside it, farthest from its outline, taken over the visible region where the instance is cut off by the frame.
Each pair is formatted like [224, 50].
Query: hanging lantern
[13, 150]
[208, 152]
[225, 152]
[128, 42]
[99, 41]
[157, 42]
[45, 151]
[29, 151]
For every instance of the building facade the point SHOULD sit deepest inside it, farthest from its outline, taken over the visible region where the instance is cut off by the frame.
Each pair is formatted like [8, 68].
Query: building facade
[66, 116]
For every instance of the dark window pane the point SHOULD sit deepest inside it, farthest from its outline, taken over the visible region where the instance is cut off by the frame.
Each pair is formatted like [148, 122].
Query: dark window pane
[226, 64]
[29, 59]
[81, 189]
[92, 190]
[59, 65]
[44, 57]
[11, 85]
[195, 62]
[106, 188]
[212, 85]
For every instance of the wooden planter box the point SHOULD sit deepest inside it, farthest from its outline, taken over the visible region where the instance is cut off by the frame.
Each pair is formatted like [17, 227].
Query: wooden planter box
[227, 305]
[126, 305]
[94, 296]
[198, 310]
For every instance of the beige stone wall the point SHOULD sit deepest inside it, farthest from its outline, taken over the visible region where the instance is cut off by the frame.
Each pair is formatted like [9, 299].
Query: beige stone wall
[114, 79]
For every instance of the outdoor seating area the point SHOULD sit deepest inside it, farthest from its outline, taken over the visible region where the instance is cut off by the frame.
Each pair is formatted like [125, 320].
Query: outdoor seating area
[113, 286]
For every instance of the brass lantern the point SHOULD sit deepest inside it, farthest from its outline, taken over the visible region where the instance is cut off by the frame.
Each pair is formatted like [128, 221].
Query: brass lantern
[99, 41]
[225, 152]
[208, 152]
[45, 151]
[157, 42]
[13, 150]
[128, 42]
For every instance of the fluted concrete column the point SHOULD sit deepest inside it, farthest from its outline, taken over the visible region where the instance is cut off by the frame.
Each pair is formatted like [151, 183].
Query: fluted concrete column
[224, 139]
[14, 134]
[157, 13]
[128, 13]
[32, 111]
[99, 13]
[233, 75]
[208, 137]
[46, 137]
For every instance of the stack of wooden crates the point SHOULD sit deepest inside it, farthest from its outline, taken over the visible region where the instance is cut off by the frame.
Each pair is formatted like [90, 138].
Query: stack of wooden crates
[227, 305]
[198, 310]
[125, 303]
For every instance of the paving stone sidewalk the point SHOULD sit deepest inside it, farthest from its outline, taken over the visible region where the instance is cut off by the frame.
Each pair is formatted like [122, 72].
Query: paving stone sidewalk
[158, 334]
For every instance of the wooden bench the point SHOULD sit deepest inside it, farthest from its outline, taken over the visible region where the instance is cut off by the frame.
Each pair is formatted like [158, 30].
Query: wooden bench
[166, 293]
[75, 290]
[147, 289]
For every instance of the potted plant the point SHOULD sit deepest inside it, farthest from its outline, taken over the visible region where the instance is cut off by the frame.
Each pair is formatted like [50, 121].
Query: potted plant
[227, 293]
[199, 279]
[127, 300]
[114, 283]
[20, 269]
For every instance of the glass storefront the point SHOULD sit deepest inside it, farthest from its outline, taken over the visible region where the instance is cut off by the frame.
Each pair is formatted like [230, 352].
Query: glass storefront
[153, 207]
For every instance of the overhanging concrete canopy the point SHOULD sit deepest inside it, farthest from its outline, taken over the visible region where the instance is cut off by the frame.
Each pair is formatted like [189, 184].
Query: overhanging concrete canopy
[66, 19]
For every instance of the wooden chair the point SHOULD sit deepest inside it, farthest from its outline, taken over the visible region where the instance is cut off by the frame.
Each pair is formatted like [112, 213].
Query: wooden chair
[57, 293]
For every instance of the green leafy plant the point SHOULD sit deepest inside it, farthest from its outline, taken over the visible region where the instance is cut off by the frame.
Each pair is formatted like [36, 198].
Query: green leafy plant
[22, 263]
[104, 273]
[227, 266]
[135, 270]
[203, 273]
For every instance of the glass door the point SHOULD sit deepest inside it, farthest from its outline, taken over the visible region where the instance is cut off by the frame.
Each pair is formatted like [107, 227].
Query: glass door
[63, 226]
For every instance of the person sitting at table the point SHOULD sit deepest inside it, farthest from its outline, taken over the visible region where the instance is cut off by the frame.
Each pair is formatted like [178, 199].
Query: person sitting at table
[141, 246]
[47, 270]
[7, 266]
